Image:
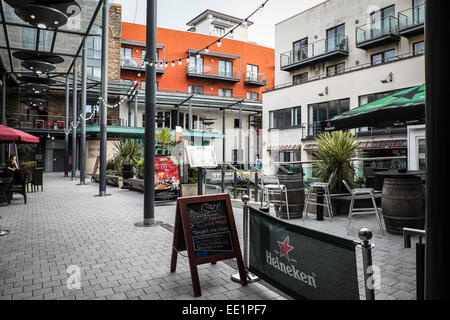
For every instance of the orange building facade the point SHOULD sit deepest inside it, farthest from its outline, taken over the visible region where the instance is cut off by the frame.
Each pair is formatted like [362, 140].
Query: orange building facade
[242, 67]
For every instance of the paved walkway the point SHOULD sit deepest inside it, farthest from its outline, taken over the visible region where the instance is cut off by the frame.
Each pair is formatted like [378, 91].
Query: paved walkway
[66, 225]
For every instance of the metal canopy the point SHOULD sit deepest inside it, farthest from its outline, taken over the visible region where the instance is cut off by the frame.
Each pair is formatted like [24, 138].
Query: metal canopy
[66, 41]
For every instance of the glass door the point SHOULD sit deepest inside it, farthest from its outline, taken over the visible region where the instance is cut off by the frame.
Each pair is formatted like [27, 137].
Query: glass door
[335, 36]
[225, 69]
[252, 72]
[418, 11]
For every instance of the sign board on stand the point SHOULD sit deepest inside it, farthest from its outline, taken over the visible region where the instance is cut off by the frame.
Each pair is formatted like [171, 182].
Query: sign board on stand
[202, 157]
[205, 228]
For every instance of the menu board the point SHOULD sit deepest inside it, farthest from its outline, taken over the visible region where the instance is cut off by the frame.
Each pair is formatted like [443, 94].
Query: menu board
[167, 179]
[205, 228]
[202, 157]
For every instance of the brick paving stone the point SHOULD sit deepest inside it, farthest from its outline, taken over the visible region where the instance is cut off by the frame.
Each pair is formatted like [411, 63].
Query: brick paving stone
[66, 225]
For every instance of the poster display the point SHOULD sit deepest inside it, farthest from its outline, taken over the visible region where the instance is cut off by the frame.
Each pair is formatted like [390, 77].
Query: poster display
[202, 157]
[167, 178]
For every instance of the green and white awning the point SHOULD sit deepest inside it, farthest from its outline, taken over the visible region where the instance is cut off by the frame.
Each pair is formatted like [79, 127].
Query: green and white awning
[407, 106]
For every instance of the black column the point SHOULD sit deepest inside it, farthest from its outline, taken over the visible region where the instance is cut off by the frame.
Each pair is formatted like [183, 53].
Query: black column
[66, 129]
[74, 119]
[104, 103]
[83, 116]
[150, 107]
[4, 79]
[437, 268]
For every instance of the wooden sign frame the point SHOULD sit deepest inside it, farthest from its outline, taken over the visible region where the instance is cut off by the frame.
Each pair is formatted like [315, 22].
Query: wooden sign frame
[182, 240]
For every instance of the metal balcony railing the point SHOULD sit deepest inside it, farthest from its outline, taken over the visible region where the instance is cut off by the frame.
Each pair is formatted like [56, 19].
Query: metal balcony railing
[208, 71]
[384, 27]
[138, 63]
[412, 17]
[254, 77]
[324, 47]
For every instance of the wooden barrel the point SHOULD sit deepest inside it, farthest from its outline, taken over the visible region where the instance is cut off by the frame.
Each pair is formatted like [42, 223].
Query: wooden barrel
[403, 204]
[296, 196]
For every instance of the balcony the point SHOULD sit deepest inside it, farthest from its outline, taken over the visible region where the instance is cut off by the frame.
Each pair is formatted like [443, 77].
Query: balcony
[372, 35]
[411, 22]
[213, 72]
[255, 79]
[136, 64]
[328, 48]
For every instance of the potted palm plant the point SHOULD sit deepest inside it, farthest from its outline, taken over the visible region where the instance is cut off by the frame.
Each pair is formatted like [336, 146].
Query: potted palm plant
[128, 153]
[165, 139]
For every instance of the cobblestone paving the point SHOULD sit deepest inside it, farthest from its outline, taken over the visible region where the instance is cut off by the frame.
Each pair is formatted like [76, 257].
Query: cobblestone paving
[66, 225]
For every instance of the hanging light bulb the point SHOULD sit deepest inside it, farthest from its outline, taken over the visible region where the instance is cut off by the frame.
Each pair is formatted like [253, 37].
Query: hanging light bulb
[173, 64]
[166, 65]
[180, 62]
[207, 50]
[219, 44]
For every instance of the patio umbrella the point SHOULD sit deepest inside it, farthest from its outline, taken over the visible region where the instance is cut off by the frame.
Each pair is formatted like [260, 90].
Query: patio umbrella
[10, 135]
[403, 107]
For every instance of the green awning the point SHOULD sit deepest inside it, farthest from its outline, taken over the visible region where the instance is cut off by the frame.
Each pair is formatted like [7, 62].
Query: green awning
[406, 106]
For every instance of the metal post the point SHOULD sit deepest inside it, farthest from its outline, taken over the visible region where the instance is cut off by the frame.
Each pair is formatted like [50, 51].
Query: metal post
[250, 276]
[256, 186]
[74, 118]
[4, 79]
[437, 276]
[235, 184]
[366, 235]
[200, 181]
[83, 116]
[104, 103]
[150, 108]
[241, 152]
[420, 258]
[136, 108]
[129, 113]
[190, 116]
[223, 150]
[66, 129]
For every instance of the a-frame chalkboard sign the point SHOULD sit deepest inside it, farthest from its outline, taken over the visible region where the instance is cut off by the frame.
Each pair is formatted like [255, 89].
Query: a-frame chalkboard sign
[205, 228]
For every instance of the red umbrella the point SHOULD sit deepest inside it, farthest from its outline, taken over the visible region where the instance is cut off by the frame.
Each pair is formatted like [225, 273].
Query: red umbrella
[8, 135]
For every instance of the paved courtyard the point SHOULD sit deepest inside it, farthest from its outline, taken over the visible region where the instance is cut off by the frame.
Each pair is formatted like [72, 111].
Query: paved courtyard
[67, 226]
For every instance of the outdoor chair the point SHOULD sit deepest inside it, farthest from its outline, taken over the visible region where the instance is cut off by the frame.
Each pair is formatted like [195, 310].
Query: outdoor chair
[4, 189]
[359, 194]
[313, 190]
[19, 188]
[274, 193]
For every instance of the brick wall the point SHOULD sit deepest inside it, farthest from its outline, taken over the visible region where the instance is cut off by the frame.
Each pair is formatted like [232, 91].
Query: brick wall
[115, 36]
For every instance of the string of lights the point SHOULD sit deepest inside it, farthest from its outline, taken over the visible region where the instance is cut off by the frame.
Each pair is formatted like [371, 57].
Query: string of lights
[131, 93]
[150, 62]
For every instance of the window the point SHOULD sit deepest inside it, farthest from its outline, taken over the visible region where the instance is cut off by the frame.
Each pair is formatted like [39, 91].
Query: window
[418, 11]
[319, 112]
[285, 118]
[142, 85]
[195, 89]
[383, 57]
[196, 65]
[94, 72]
[376, 96]
[143, 53]
[300, 50]
[225, 92]
[237, 124]
[219, 32]
[335, 69]
[300, 78]
[286, 156]
[225, 69]
[336, 38]
[94, 48]
[419, 48]
[379, 20]
[252, 72]
[252, 96]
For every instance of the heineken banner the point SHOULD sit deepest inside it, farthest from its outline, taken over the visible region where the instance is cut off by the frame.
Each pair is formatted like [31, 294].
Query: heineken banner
[303, 263]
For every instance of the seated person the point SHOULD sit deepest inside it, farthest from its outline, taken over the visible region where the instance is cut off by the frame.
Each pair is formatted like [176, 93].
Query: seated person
[12, 170]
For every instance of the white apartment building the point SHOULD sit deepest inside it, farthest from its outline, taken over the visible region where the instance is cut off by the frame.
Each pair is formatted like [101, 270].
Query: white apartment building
[218, 24]
[336, 56]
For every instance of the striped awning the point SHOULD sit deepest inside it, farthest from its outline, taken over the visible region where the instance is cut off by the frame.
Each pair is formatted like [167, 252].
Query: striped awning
[288, 147]
[380, 144]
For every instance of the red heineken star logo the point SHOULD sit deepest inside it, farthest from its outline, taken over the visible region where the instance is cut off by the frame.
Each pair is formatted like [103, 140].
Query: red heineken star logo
[285, 248]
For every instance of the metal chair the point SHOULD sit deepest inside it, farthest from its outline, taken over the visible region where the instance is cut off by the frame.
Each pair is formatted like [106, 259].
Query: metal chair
[314, 187]
[358, 194]
[271, 187]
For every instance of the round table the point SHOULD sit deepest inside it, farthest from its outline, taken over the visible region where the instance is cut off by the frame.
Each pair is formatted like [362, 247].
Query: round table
[403, 200]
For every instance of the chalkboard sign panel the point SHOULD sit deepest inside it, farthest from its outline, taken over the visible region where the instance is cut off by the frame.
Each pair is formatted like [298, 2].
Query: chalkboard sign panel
[211, 234]
[205, 227]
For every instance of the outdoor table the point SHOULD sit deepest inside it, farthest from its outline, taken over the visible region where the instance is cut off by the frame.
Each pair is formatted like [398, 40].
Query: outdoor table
[403, 200]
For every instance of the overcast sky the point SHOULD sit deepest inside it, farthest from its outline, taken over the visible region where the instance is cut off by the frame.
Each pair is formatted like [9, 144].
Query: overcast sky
[174, 14]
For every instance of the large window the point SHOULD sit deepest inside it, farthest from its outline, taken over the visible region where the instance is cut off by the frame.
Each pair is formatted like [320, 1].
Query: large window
[195, 89]
[380, 22]
[94, 72]
[94, 48]
[335, 38]
[252, 72]
[335, 69]
[419, 48]
[300, 48]
[285, 118]
[252, 96]
[300, 78]
[225, 92]
[383, 57]
[225, 69]
[196, 65]
[319, 112]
